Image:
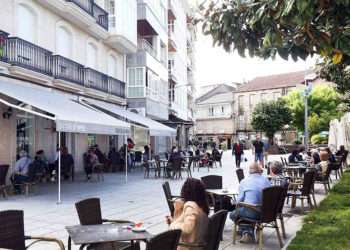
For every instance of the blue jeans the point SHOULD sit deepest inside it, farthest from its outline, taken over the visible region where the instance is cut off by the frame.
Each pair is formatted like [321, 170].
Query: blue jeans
[259, 157]
[245, 213]
[19, 179]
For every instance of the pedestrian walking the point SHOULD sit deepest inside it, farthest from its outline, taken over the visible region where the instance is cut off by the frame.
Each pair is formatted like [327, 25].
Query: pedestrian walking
[259, 151]
[237, 151]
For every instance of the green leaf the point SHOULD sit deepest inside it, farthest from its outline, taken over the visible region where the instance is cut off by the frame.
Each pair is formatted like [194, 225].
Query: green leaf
[288, 8]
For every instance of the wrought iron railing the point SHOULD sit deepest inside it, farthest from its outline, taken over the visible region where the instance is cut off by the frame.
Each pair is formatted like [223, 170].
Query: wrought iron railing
[89, 6]
[19, 52]
[28, 55]
[68, 70]
[116, 87]
[100, 15]
[96, 80]
[143, 44]
[3, 46]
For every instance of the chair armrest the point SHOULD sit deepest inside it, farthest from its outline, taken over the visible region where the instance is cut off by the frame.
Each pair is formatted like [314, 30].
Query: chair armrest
[118, 221]
[48, 239]
[247, 205]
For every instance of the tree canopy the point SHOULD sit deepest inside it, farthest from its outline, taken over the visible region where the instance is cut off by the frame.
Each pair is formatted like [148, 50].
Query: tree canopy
[323, 106]
[270, 117]
[293, 28]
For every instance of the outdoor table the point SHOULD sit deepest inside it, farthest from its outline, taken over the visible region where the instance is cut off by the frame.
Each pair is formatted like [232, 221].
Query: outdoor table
[221, 193]
[296, 170]
[88, 234]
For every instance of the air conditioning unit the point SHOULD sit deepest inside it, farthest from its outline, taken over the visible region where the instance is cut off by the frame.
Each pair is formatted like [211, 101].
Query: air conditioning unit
[140, 111]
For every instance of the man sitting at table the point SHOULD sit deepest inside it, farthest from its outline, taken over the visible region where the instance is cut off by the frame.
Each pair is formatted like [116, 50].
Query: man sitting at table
[250, 191]
[276, 172]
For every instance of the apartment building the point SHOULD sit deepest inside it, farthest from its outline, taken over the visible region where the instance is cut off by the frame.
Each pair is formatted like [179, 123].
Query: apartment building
[261, 89]
[64, 68]
[214, 115]
[181, 65]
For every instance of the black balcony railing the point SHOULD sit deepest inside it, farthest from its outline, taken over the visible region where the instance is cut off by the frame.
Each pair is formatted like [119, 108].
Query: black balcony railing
[96, 80]
[89, 6]
[27, 55]
[3, 46]
[86, 5]
[116, 87]
[19, 52]
[100, 15]
[68, 70]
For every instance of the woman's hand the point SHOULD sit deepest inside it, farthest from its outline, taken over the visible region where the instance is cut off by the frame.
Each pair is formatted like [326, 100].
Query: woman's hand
[168, 220]
[178, 207]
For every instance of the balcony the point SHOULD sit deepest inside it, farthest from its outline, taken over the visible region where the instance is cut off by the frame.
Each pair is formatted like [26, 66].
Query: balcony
[25, 55]
[67, 70]
[143, 44]
[171, 10]
[90, 7]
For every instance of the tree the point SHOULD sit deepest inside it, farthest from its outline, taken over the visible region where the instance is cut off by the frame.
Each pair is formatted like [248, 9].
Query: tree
[270, 117]
[293, 28]
[323, 106]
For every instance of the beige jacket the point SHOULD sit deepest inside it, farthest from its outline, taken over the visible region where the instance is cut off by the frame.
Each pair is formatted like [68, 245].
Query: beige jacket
[193, 223]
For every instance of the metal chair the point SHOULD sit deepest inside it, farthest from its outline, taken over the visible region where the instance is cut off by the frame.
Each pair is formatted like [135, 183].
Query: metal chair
[89, 213]
[168, 240]
[240, 174]
[271, 200]
[3, 173]
[12, 232]
[187, 168]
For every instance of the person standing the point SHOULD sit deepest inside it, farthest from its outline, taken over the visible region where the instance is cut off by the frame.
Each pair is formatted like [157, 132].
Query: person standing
[259, 151]
[237, 151]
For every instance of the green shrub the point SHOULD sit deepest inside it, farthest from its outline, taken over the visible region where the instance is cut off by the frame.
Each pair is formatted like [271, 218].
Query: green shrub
[319, 139]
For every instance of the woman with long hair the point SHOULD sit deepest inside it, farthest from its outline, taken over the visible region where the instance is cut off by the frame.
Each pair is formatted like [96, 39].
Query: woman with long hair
[191, 214]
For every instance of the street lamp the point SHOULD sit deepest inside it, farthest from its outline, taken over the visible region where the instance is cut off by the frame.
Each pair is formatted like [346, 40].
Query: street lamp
[307, 90]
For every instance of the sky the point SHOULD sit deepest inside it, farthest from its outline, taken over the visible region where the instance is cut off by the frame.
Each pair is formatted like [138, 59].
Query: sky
[214, 65]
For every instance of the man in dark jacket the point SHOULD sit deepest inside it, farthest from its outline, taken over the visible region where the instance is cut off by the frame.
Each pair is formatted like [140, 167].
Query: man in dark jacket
[237, 151]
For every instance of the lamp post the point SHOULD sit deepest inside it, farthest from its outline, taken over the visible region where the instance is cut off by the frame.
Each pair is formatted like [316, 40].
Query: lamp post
[308, 88]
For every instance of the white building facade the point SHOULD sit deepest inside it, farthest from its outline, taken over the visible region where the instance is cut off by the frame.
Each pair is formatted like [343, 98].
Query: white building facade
[76, 49]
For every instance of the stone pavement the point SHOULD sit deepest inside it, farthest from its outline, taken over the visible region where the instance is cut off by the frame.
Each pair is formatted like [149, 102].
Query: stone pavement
[139, 200]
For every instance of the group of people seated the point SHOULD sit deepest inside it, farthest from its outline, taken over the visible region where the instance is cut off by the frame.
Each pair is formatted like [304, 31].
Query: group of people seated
[191, 210]
[40, 168]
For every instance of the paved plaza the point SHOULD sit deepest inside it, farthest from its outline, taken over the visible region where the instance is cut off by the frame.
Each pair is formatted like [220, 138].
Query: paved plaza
[139, 200]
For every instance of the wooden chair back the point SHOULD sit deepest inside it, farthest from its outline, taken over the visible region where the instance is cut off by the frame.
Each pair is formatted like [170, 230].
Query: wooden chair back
[215, 229]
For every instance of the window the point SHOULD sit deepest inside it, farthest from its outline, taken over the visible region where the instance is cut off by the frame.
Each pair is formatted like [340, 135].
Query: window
[136, 82]
[91, 140]
[25, 132]
[276, 95]
[91, 61]
[211, 111]
[64, 42]
[110, 7]
[252, 100]
[26, 23]
[222, 110]
[112, 66]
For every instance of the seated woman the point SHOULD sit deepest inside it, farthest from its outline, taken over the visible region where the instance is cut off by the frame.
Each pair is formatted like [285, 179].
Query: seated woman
[191, 215]
[323, 165]
[331, 156]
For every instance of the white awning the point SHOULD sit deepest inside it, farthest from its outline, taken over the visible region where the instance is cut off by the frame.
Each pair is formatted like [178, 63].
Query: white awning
[155, 128]
[69, 115]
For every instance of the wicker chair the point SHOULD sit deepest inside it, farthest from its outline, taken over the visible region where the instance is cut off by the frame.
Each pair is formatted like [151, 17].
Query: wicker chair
[168, 240]
[271, 200]
[3, 173]
[337, 168]
[212, 182]
[12, 232]
[215, 229]
[89, 213]
[32, 180]
[304, 192]
[169, 197]
[324, 179]
[240, 174]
